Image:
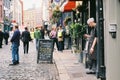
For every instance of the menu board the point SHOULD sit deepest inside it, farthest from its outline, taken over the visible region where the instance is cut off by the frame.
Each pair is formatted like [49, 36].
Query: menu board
[45, 51]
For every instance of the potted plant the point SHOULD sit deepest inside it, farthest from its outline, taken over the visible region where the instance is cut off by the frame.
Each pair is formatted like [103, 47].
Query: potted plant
[76, 31]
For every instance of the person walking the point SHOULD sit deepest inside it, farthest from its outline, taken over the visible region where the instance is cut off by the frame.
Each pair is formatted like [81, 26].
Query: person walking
[1, 37]
[32, 33]
[53, 36]
[15, 40]
[37, 36]
[26, 38]
[91, 46]
[6, 36]
[42, 30]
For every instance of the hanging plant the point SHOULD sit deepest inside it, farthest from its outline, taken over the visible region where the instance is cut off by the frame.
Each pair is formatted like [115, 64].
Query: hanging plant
[66, 20]
[77, 30]
[56, 15]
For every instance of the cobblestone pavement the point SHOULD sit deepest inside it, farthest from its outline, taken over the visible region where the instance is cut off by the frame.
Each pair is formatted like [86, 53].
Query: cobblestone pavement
[28, 69]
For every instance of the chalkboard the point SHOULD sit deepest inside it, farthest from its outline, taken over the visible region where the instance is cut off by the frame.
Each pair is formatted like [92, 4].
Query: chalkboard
[45, 51]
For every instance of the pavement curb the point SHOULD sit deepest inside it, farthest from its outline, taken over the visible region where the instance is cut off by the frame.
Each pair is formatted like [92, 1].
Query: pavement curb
[63, 75]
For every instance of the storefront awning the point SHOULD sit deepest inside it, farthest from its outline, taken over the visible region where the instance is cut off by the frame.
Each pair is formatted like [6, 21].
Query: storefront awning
[69, 6]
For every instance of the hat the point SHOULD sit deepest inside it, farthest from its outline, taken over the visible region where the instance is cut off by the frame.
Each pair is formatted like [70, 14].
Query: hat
[90, 20]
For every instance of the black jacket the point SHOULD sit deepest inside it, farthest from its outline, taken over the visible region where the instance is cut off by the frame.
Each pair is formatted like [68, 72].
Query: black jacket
[26, 36]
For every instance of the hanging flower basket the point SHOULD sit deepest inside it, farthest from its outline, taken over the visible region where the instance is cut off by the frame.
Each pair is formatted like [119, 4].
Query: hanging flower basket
[77, 30]
[56, 16]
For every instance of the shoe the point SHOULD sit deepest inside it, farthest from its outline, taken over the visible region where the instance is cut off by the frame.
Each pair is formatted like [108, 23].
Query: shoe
[90, 72]
[17, 62]
[13, 64]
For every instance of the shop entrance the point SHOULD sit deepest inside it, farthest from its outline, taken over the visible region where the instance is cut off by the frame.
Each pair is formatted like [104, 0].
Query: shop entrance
[100, 46]
[94, 8]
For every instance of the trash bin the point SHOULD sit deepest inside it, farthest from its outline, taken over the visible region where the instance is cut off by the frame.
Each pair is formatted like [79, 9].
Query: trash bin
[45, 51]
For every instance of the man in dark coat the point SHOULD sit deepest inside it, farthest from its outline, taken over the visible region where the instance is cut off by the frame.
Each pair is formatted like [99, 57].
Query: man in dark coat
[26, 38]
[1, 38]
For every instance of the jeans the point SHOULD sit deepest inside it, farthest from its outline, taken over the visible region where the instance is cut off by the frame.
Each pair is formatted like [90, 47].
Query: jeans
[15, 52]
[37, 44]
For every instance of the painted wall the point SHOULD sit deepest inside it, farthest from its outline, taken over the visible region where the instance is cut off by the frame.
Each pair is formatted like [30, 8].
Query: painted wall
[112, 46]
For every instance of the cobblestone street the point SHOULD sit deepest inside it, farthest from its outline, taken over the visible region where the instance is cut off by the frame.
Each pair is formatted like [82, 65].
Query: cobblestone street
[28, 69]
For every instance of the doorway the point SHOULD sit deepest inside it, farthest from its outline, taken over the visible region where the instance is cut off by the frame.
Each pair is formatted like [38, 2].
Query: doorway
[94, 8]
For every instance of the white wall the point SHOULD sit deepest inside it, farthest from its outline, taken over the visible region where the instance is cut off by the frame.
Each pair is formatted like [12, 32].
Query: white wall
[45, 10]
[112, 46]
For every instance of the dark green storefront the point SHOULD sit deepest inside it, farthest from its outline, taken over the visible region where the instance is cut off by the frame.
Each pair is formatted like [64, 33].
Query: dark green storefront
[94, 8]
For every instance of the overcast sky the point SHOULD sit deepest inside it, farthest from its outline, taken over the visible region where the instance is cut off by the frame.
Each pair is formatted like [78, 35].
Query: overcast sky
[29, 3]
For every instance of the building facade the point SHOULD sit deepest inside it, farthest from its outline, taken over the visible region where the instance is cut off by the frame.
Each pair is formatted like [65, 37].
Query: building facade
[16, 11]
[106, 15]
[21, 2]
[1, 14]
[30, 18]
[112, 38]
[6, 16]
[45, 10]
[38, 16]
[34, 16]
